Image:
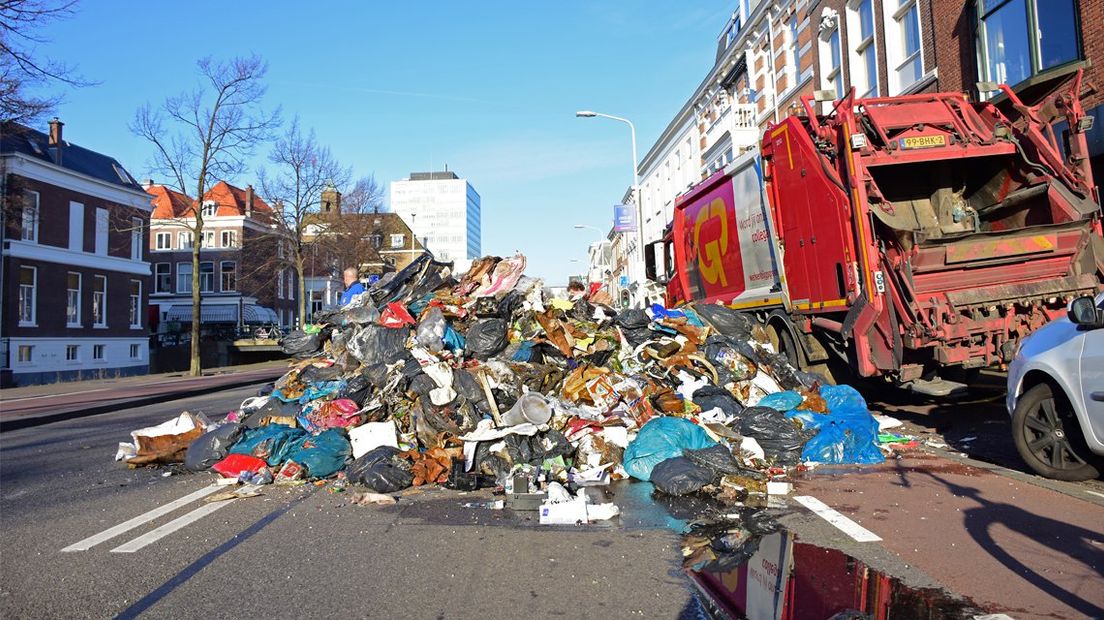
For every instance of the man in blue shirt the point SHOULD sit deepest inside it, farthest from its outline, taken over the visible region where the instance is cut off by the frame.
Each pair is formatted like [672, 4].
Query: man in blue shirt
[353, 287]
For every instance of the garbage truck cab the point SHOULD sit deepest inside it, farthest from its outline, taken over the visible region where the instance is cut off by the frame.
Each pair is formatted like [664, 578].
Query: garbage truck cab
[900, 236]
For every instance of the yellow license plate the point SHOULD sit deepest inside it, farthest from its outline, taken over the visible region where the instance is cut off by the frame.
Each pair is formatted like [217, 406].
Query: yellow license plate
[923, 142]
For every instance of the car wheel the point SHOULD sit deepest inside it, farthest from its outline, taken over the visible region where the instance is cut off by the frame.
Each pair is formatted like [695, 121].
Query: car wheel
[1048, 437]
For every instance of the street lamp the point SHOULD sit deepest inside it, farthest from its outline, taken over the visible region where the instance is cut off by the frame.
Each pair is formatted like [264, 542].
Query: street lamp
[635, 176]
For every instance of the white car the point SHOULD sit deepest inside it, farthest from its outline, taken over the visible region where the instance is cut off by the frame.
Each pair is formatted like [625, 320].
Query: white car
[1056, 394]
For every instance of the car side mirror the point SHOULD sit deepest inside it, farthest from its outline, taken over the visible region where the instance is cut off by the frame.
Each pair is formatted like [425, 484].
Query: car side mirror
[1083, 312]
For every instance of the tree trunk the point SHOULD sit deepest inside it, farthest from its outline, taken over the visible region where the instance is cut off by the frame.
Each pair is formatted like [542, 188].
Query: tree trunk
[302, 289]
[196, 367]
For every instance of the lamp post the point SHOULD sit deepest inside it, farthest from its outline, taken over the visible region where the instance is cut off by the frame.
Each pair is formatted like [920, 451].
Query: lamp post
[635, 176]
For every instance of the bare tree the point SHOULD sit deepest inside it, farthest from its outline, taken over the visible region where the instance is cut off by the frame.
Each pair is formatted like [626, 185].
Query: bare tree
[351, 239]
[21, 71]
[302, 170]
[203, 134]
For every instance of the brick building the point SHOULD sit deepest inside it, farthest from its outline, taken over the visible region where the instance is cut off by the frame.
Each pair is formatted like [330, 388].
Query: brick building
[245, 278]
[75, 273]
[374, 242]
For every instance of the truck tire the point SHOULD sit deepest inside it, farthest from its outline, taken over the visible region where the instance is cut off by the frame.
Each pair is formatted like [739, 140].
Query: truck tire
[1049, 438]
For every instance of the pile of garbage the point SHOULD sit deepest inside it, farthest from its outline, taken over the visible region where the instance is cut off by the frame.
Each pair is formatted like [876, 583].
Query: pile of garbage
[483, 379]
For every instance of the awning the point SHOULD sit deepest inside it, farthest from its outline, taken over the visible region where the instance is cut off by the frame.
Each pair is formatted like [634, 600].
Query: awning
[222, 313]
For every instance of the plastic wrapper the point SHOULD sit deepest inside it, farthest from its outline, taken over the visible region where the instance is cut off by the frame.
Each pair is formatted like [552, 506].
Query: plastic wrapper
[431, 330]
[782, 401]
[211, 447]
[273, 443]
[725, 320]
[324, 454]
[680, 476]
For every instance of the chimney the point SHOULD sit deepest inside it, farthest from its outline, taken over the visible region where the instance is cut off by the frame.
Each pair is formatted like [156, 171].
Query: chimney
[55, 141]
[249, 201]
[149, 183]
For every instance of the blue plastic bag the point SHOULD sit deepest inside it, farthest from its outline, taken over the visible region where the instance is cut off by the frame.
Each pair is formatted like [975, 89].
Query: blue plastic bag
[661, 439]
[848, 433]
[782, 401]
[321, 389]
[453, 339]
[271, 443]
[323, 454]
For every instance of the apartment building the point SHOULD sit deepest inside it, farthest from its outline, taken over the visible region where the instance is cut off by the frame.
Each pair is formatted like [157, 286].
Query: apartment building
[75, 273]
[245, 277]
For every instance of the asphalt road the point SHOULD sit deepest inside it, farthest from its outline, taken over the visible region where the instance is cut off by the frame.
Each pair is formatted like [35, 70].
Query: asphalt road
[304, 552]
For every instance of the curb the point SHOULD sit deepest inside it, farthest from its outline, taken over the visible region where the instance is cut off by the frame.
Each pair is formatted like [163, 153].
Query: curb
[39, 420]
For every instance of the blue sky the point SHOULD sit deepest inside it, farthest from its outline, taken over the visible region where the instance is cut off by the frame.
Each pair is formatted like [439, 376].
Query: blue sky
[489, 88]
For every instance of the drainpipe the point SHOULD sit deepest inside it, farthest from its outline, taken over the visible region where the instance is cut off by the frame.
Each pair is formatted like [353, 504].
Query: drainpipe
[770, 61]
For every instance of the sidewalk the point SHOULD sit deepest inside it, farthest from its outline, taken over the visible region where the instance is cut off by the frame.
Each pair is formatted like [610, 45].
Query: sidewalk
[41, 404]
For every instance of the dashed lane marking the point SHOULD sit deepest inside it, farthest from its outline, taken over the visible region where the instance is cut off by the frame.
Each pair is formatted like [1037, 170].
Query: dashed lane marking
[847, 526]
[126, 526]
[176, 524]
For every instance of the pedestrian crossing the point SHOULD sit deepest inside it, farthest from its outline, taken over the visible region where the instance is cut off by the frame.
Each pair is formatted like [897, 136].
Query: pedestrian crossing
[162, 531]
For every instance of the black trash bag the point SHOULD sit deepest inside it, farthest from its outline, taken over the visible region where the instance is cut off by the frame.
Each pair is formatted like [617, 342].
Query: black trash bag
[725, 320]
[780, 368]
[778, 436]
[638, 336]
[509, 305]
[519, 450]
[376, 374]
[632, 319]
[266, 389]
[381, 470]
[485, 338]
[373, 344]
[301, 344]
[711, 396]
[318, 374]
[582, 311]
[357, 389]
[274, 407]
[422, 385]
[719, 459]
[211, 447]
[680, 476]
[550, 444]
[467, 386]
[488, 463]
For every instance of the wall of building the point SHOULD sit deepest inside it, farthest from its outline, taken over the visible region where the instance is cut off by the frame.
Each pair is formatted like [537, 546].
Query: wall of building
[445, 214]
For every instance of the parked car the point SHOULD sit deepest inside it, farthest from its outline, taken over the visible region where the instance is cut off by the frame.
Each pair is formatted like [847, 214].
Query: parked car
[1056, 394]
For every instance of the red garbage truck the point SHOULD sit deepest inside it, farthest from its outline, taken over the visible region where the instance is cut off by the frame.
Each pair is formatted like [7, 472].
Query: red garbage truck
[898, 236]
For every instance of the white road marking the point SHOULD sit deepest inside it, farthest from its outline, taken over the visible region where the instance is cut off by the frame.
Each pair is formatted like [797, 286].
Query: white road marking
[847, 526]
[176, 524]
[1095, 493]
[126, 526]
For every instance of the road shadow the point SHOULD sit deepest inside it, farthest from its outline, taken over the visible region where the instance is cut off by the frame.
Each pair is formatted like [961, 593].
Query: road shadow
[1063, 538]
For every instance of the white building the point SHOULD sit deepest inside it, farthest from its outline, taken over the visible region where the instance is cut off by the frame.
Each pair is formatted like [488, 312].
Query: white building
[443, 211]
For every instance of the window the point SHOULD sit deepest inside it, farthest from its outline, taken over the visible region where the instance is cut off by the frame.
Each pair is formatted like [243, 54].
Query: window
[164, 241]
[206, 277]
[135, 303]
[76, 226]
[209, 208]
[101, 231]
[1019, 38]
[72, 300]
[903, 54]
[290, 274]
[25, 353]
[135, 352]
[184, 240]
[794, 63]
[28, 293]
[864, 60]
[397, 241]
[162, 278]
[97, 352]
[228, 240]
[72, 353]
[227, 276]
[375, 240]
[280, 284]
[208, 239]
[136, 238]
[29, 230]
[183, 277]
[99, 301]
[830, 61]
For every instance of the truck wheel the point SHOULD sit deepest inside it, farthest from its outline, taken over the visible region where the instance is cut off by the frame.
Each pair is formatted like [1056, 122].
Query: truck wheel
[783, 342]
[1049, 438]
